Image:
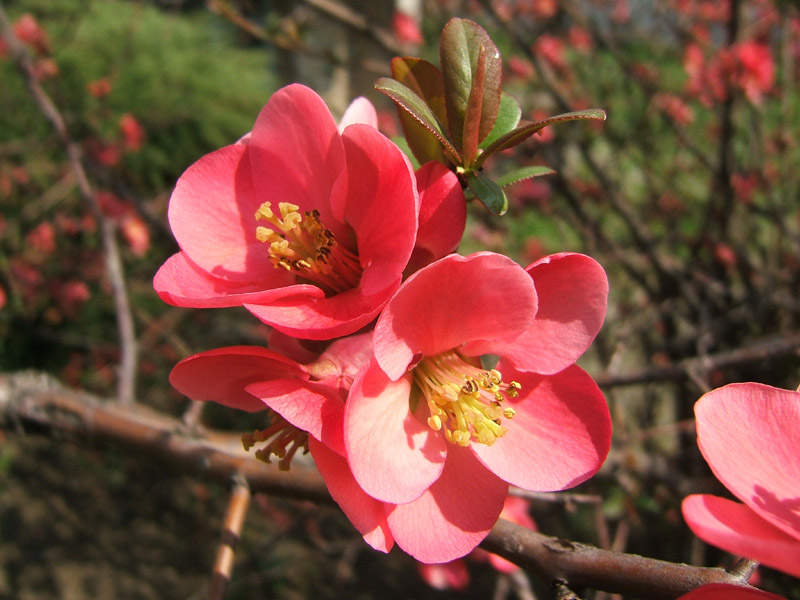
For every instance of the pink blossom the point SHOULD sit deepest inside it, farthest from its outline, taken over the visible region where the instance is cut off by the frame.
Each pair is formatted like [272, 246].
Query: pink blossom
[99, 88]
[406, 28]
[551, 49]
[451, 575]
[132, 132]
[723, 591]
[309, 229]
[305, 407]
[536, 421]
[754, 71]
[748, 434]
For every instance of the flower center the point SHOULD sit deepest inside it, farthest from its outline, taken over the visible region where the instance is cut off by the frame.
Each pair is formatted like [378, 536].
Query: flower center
[300, 243]
[283, 441]
[465, 401]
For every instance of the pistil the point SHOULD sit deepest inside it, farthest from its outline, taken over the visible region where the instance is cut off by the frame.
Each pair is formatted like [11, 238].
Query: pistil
[300, 243]
[465, 402]
[283, 441]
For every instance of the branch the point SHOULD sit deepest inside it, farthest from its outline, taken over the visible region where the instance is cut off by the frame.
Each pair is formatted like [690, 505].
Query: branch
[231, 532]
[760, 350]
[32, 400]
[580, 565]
[114, 268]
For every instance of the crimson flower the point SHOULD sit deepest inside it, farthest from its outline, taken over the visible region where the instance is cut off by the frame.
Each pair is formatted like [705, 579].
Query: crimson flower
[748, 433]
[723, 591]
[310, 229]
[436, 437]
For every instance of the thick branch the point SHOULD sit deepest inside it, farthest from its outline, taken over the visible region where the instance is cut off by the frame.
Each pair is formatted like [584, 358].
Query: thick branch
[580, 565]
[34, 400]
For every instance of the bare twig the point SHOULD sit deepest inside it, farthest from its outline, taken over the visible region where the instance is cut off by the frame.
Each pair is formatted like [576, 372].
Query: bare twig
[32, 400]
[231, 532]
[760, 350]
[114, 268]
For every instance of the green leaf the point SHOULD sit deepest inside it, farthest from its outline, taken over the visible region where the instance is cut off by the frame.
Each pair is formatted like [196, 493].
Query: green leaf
[425, 80]
[489, 193]
[416, 107]
[462, 44]
[507, 119]
[523, 173]
[523, 132]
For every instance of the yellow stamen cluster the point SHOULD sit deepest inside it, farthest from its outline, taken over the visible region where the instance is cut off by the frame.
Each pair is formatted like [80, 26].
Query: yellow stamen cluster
[284, 440]
[300, 243]
[465, 401]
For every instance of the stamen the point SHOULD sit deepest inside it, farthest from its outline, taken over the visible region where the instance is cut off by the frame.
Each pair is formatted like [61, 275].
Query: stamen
[284, 440]
[465, 401]
[300, 243]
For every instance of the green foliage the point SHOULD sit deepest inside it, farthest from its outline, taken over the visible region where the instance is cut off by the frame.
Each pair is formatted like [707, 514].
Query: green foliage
[180, 76]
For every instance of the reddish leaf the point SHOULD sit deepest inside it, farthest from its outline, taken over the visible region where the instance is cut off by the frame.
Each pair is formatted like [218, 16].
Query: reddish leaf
[523, 132]
[460, 49]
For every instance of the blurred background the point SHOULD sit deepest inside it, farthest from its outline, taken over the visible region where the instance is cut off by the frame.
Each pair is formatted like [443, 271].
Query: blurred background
[687, 195]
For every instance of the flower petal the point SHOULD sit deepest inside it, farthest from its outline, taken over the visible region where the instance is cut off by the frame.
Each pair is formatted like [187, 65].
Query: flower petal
[559, 436]
[221, 375]
[748, 434]
[307, 405]
[360, 110]
[573, 295]
[452, 517]
[442, 214]
[182, 283]
[382, 206]
[296, 155]
[394, 456]
[457, 299]
[723, 591]
[212, 215]
[736, 528]
[315, 317]
[366, 514]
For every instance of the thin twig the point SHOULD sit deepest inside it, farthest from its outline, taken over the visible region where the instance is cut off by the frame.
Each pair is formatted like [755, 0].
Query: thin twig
[760, 350]
[114, 269]
[231, 532]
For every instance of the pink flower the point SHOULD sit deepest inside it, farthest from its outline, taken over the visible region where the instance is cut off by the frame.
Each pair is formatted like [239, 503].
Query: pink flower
[132, 132]
[427, 427]
[722, 591]
[748, 434]
[308, 228]
[406, 28]
[452, 575]
[302, 399]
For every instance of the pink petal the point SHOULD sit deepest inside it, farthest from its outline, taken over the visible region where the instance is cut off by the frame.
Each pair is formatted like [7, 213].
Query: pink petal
[297, 156]
[450, 519]
[342, 361]
[360, 110]
[382, 206]
[456, 300]
[182, 283]
[722, 591]
[748, 434]
[394, 456]
[560, 435]
[212, 215]
[222, 375]
[318, 318]
[306, 405]
[573, 294]
[366, 514]
[442, 214]
[737, 529]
